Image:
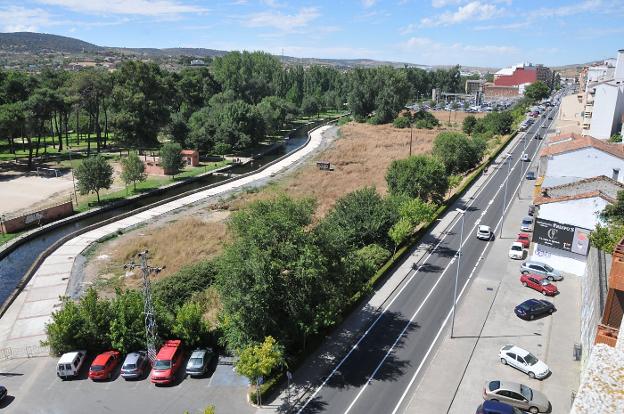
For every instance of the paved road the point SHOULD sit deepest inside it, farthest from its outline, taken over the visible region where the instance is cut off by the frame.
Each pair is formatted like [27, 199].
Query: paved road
[377, 375]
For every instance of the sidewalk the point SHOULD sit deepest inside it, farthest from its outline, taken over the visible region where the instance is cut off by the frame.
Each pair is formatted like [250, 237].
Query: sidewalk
[336, 346]
[23, 324]
[454, 379]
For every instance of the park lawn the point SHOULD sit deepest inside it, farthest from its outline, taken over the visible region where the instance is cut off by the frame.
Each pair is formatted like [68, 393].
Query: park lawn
[88, 201]
[7, 237]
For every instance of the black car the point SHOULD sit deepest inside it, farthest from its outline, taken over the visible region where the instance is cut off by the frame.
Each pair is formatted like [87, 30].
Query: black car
[3, 392]
[531, 308]
[530, 175]
[537, 136]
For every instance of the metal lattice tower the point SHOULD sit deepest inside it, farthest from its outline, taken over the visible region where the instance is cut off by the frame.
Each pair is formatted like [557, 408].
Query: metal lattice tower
[151, 328]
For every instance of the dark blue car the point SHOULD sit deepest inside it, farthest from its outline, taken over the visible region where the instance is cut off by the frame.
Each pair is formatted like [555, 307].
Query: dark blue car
[531, 308]
[496, 407]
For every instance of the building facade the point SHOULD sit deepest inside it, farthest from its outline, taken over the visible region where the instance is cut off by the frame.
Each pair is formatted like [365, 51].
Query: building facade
[522, 74]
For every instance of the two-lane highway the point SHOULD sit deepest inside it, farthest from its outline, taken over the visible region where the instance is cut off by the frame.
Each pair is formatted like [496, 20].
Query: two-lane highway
[379, 371]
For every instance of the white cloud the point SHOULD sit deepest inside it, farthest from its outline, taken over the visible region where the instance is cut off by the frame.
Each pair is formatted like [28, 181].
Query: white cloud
[475, 10]
[281, 21]
[368, 3]
[428, 51]
[20, 19]
[444, 3]
[582, 7]
[133, 7]
[505, 26]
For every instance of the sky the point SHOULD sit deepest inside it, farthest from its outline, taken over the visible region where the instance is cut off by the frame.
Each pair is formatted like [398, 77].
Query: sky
[488, 33]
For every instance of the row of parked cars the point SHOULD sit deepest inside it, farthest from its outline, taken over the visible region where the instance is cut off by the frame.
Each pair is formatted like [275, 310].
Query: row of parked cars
[136, 365]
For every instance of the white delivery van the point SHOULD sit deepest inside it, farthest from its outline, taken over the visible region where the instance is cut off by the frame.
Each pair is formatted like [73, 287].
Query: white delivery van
[70, 363]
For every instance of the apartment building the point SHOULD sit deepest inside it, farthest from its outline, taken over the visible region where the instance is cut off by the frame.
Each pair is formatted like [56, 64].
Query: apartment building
[523, 73]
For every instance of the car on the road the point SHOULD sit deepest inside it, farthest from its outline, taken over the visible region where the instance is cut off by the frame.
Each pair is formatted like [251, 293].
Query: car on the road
[517, 395]
[550, 118]
[524, 239]
[199, 361]
[484, 232]
[523, 360]
[525, 157]
[68, 366]
[527, 224]
[496, 407]
[538, 136]
[135, 365]
[104, 365]
[530, 175]
[3, 392]
[168, 361]
[544, 126]
[531, 308]
[516, 251]
[541, 269]
[539, 283]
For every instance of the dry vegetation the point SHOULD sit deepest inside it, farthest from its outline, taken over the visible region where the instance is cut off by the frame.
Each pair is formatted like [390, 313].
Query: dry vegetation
[360, 158]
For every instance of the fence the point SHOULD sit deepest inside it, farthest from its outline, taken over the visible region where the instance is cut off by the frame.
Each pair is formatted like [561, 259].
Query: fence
[24, 352]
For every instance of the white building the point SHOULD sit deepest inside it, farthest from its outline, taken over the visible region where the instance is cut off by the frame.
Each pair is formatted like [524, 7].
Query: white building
[604, 99]
[571, 157]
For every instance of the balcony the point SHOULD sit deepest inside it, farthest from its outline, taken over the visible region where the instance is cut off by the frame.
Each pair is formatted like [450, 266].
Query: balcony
[607, 335]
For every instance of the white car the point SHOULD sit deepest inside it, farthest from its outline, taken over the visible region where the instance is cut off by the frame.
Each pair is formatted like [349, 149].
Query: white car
[484, 233]
[525, 157]
[524, 361]
[516, 251]
[527, 224]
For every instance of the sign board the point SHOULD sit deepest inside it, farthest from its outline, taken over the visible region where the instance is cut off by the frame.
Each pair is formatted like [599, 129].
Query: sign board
[561, 236]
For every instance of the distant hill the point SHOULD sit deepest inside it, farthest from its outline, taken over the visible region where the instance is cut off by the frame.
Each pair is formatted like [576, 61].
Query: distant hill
[41, 43]
[34, 43]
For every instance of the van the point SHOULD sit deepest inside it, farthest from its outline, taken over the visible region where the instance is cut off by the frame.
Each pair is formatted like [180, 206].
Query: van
[168, 361]
[70, 363]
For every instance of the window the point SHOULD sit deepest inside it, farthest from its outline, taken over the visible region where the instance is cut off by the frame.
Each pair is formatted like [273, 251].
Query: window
[516, 396]
[520, 359]
[530, 359]
[511, 355]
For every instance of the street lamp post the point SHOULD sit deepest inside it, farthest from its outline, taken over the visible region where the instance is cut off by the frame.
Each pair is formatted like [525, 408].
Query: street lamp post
[500, 234]
[71, 167]
[461, 241]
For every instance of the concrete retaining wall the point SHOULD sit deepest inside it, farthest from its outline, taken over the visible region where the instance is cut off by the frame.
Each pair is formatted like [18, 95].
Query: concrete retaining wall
[37, 218]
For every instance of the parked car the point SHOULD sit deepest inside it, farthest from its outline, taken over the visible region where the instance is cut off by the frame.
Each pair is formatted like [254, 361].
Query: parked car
[530, 175]
[524, 239]
[516, 251]
[197, 364]
[541, 269]
[168, 361]
[531, 308]
[68, 366]
[484, 233]
[550, 118]
[539, 283]
[104, 365]
[496, 407]
[135, 365]
[524, 361]
[527, 224]
[517, 395]
[3, 392]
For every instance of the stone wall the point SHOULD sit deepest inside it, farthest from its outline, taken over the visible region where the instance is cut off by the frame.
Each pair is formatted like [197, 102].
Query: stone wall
[593, 296]
[37, 218]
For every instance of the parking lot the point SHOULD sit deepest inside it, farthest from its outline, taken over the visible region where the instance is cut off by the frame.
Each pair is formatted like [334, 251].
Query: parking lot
[34, 388]
[485, 322]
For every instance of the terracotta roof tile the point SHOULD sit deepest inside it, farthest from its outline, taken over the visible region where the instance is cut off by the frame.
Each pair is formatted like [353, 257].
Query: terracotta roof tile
[573, 142]
[590, 194]
[588, 180]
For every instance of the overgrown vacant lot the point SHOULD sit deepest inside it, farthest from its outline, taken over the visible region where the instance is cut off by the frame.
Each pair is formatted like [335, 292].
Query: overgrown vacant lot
[360, 158]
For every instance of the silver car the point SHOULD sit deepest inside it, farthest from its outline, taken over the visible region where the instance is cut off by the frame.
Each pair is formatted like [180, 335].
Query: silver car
[135, 365]
[517, 395]
[199, 361]
[539, 268]
[527, 224]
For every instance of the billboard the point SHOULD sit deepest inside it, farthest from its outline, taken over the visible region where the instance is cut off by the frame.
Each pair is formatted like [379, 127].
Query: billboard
[561, 236]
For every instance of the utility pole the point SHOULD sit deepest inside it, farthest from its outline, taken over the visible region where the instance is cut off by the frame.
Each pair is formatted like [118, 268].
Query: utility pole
[411, 130]
[151, 330]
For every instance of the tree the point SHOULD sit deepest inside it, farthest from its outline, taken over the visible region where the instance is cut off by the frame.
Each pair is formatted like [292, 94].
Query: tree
[259, 360]
[127, 327]
[469, 124]
[401, 122]
[189, 324]
[65, 328]
[132, 170]
[420, 176]
[412, 212]
[171, 158]
[310, 105]
[537, 91]
[176, 289]
[458, 152]
[94, 174]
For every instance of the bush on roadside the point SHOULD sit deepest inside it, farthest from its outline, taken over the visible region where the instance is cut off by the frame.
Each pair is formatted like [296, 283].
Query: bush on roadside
[401, 122]
[176, 289]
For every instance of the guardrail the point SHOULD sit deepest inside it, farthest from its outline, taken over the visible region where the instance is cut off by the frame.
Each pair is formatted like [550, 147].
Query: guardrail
[25, 352]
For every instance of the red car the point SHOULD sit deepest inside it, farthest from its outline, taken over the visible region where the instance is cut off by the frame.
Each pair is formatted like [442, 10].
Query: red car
[104, 364]
[525, 239]
[539, 283]
[168, 360]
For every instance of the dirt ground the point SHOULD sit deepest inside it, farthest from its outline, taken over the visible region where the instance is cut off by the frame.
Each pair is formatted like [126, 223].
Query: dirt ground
[360, 157]
[21, 193]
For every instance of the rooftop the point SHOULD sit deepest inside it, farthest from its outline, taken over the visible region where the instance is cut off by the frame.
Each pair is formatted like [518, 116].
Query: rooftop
[573, 142]
[590, 194]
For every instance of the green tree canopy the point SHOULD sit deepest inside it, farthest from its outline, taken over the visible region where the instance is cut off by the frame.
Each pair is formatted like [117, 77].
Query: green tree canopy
[469, 124]
[132, 169]
[259, 360]
[537, 91]
[458, 152]
[171, 158]
[420, 176]
[94, 174]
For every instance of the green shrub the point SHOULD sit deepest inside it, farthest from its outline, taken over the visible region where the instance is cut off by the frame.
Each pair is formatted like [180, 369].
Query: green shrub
[401, 122]
[173, 291]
